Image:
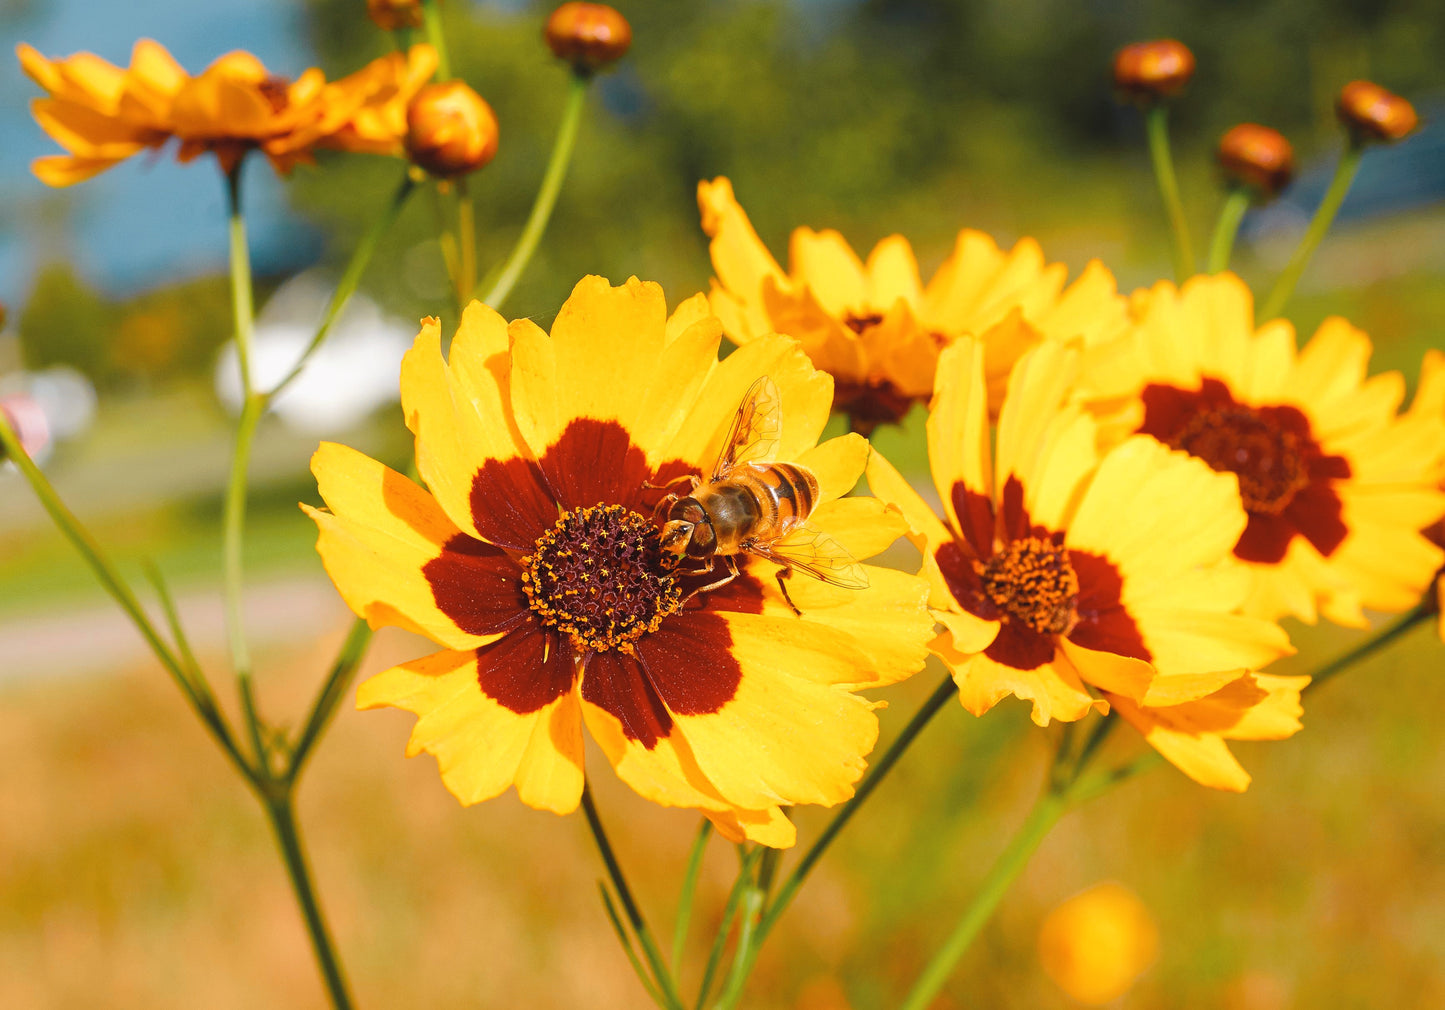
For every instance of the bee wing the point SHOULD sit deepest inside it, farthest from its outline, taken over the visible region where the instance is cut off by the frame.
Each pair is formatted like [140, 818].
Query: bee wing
[753, 437]
[815, 552]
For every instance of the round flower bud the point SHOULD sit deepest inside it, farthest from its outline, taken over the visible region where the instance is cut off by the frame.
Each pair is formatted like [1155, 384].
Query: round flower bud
[1257, 157]
[450, 129]
[1150, 70]
[27, 420]
[1373, 113]
[588, 36]
[390, 15]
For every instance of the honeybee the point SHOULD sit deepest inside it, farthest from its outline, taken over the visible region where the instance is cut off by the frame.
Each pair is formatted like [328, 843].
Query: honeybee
[753, 505]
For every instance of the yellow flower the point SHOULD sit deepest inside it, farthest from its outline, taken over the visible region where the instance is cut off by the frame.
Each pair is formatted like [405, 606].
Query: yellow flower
[1082, 580]
[874, 326]
[535, 561]
[1337, 486]
[1096, 944]
[102, 114]
[1429, 402]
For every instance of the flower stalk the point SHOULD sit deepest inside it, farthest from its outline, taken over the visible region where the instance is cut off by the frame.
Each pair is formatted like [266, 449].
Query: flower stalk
[1226, 229]
[497, 286]
[1324, 216]
[1156, 123]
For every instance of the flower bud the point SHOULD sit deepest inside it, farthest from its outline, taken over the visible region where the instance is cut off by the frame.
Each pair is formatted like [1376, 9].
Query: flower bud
[1257, 157]
[588, 36]
[1095, 944]
[1150, 70]
[1373, 113]
[450, 129]
[390, 15]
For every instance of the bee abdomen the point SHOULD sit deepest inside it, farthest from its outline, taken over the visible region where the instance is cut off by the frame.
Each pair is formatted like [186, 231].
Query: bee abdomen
[794, 489]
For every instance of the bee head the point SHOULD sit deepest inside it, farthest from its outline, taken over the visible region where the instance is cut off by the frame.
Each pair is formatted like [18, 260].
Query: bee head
[676, 535]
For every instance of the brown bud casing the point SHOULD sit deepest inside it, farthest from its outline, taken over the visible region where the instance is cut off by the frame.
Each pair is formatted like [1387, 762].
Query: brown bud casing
[450, 129]
[588, 36]
[1257, 157]
[389, 15]
[1371, 112]
[1153, 70]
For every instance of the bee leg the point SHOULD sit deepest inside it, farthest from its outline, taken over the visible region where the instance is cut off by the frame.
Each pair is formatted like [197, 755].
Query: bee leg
[660, 509]
[675, 480]
[732, 574]
[782, 574]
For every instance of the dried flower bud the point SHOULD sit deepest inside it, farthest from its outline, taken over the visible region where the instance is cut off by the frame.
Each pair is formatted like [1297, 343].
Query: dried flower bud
[1152, 70]
[1257, 157]
[450, 129]
[588, 36]
[390, 15]
[1373, 113]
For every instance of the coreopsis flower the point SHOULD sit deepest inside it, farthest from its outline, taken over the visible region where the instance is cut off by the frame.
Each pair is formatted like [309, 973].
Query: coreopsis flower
[1081, 580]
[874, 325]
[1096, 944]
[102, 114]
[1429, 402]
[391, 15]
[535, 561]
[1336, 484]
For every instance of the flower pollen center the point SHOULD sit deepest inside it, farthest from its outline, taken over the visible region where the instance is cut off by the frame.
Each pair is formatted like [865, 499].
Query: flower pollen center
[858, 323]
[1033, 582]
[598, 577]
[1266, 458]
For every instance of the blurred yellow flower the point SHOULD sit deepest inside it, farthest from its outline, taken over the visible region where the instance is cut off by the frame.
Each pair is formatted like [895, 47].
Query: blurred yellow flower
[102, 114]
[1096, 944]
[534, 560]
[1336, 484]
[1084, 580]
[1430, 402]
[875, 327]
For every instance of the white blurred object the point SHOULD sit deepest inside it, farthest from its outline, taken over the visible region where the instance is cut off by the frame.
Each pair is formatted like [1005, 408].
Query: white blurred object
[67, 399]
[354, 372]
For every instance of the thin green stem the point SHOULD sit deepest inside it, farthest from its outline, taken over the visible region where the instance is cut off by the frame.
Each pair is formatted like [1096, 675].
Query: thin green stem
[466, 242]
[353, 650]
[746, 951]
[242, 310]
[1046, 813]
[1284, 286]
[730, 912]
[498, 285]
[660, 973]
[1399, 627]
[941, 694]
[689, 890]
[431, 13]
[113, 583]
[282, 812]
[1221, 247]
[1156, 121]
[351, 277]
[627, 948]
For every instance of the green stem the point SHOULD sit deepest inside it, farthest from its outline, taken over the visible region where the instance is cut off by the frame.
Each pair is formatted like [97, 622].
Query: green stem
[431, 13]
[745, 955]
[689, 890]
[113, 583]
[282, 811]
[1221, 247]
[499, 284]
[876, 774]
[1051, 805]
[324, 707]
[1284, 286]
[1403, 624]
[360, 259]
[466, 242]
[661, 975]
[1156, 121]
[730, 912]
[234, 517]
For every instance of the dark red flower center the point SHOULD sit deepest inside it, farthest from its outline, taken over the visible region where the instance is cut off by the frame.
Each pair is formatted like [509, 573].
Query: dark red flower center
[277, 92]
[1264, 456]
[1032, 581]
[858, 322]
[598, 577]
